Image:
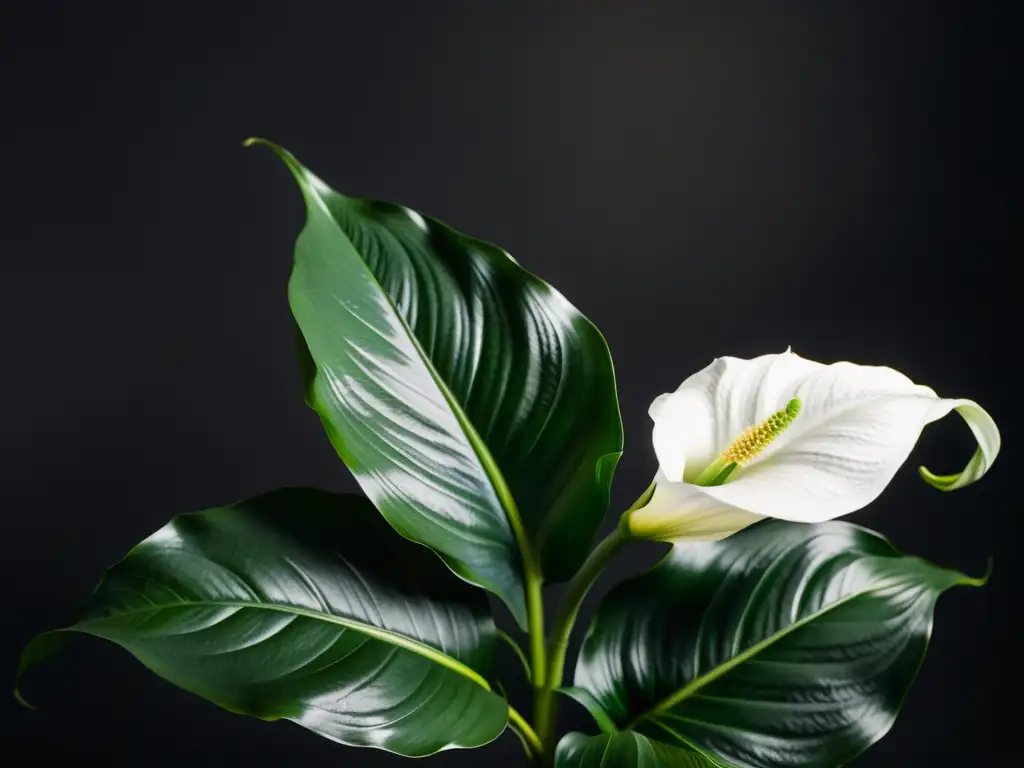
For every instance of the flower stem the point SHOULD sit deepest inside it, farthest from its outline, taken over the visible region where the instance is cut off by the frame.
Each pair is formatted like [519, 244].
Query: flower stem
[558, 646]
[716, 473]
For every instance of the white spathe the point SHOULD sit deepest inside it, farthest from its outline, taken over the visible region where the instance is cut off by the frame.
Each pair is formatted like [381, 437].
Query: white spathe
[857, 424]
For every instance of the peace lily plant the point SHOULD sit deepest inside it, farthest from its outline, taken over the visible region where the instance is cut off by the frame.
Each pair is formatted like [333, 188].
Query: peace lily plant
[477, 410]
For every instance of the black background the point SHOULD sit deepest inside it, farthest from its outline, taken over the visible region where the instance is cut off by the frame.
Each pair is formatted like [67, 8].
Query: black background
[839, 177]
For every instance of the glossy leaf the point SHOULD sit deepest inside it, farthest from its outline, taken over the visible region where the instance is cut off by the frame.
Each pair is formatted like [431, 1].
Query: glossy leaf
[624, 750]
[305, 605]
[475, 405]
[784, 645]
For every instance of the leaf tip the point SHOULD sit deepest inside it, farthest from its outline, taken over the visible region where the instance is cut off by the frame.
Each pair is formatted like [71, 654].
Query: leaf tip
[301, 174]
[21, 700]
[983, 579]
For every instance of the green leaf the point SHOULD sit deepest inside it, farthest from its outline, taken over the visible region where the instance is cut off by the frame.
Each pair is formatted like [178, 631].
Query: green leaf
[475, 405]
[624, 750]
[304, 605]
[784, 645]
[584, 698]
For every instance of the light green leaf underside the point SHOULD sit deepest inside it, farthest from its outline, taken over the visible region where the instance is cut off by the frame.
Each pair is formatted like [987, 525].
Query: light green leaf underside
[305, 606]
[624, 750]
[475, 406]
[585, 699]
[784, 645]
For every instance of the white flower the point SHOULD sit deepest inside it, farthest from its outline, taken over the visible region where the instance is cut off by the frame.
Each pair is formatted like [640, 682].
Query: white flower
[780, 436]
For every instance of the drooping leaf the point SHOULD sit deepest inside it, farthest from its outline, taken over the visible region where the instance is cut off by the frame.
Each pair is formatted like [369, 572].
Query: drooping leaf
[624, 750]
[784, 645]
[304, 605]
[475, 405]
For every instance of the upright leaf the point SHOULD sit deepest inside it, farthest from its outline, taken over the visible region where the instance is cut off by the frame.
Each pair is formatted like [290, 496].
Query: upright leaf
[784, 645]
[304, 605]
[475, 405]
[624, 750]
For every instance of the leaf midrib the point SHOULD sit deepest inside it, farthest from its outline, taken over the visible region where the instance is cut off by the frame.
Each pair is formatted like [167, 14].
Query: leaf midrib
[483, 454]
[383, 635]
[722, 669]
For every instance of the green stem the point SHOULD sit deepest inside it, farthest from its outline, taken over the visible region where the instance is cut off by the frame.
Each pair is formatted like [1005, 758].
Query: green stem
[716, 473]
[503, 635]
[576, 591]
[535, 614]
[538, 651]
[530, 740]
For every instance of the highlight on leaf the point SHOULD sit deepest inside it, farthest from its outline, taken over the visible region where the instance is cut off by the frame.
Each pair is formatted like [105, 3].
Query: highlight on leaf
[474, 404]
[783, 645]
[477, 410]
[304, 605]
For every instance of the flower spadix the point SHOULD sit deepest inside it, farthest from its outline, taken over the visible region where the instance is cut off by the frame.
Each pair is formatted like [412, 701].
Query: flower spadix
[785, 437]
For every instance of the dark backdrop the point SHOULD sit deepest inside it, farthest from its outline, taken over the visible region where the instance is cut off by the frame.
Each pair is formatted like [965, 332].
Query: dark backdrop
[839, 177]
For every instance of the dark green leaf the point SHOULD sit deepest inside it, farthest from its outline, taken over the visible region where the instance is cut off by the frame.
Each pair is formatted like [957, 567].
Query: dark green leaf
[305, 605]
[624, 750]
[475, 405]
[784, 645]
